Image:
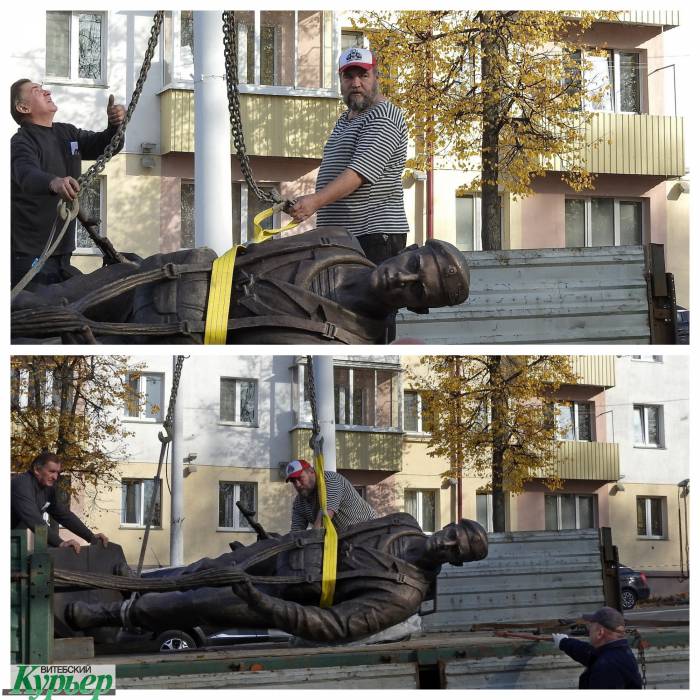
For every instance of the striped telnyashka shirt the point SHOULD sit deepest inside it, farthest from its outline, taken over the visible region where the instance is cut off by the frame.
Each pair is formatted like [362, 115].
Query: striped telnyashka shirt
[341, 497]
[374, 145]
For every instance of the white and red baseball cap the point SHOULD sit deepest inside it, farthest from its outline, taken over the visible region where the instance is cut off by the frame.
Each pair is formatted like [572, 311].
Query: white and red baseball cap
[295, 468]
[356, 57]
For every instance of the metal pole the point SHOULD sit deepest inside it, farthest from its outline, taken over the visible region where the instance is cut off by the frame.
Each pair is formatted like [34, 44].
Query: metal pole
[323, 376]
[176, 478]
[212, 136]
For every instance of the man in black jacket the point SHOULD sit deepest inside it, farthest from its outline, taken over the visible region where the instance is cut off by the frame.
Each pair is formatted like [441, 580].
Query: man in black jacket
[385, 569]
[609, 661]
[46, 159]
[33, 499]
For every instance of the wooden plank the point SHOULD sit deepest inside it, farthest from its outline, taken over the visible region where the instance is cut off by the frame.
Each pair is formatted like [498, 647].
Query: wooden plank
[377, 676]
[73, 648]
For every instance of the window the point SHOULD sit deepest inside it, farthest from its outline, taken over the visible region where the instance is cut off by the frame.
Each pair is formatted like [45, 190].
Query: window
[648, 426]
[91, 207]
[144, 398]
[599, 221]
[245, 205]
[238, 401]
[650, 516]
[76, 46]
[40, 387]
[574, 418]
[484, 511]
[289, 48]
[417, 417]
[136, 502]
[350, 39]
[614, 80]
[421, 505]
[648, 358]
[366, 397]
[361, 490]
[230, 517]
[568, 511]
[468, 222]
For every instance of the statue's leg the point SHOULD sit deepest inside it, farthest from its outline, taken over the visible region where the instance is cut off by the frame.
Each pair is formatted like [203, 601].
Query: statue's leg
[211, 607]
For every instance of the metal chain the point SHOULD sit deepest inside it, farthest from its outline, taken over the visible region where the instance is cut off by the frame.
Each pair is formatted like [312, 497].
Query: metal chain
[641, 645]
[99, 165]
[316, 429]
[234, 109]
[177, 373]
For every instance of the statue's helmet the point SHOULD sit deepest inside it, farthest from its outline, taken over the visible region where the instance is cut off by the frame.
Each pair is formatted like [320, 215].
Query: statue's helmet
[453, 274]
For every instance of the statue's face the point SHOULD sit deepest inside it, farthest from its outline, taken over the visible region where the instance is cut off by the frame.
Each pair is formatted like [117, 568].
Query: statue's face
[411, 278]
[459, 542]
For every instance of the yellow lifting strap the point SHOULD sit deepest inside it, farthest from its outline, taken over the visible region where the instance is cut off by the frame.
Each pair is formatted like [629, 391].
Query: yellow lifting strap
[330, 540]
[216, 325]
[260, 233]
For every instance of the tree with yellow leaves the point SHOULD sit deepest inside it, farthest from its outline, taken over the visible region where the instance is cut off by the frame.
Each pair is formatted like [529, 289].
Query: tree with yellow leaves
[71, 406]
[492, 416]
[497, 92]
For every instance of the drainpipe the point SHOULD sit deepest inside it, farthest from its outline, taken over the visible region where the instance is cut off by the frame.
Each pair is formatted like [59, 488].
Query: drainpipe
[212, 136]
[429, 223]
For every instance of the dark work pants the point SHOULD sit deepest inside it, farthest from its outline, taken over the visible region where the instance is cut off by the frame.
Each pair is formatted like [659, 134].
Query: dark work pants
[379, 247]
[56, 269]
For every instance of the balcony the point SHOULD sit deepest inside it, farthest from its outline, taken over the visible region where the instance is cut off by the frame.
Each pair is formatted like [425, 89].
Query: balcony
[373, 450]
[651, 18]
[636, 144]
[274, 125]
[595, 370]
[592, 461]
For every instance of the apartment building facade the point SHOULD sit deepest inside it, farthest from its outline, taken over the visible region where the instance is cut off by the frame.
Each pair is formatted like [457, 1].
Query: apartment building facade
[289, 103]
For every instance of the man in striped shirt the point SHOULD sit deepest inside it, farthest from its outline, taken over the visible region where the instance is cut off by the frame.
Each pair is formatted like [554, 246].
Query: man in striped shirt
[359, 181]
[345, 506]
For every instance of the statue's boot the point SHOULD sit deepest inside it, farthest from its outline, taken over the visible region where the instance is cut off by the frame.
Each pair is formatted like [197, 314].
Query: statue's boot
[82, 615]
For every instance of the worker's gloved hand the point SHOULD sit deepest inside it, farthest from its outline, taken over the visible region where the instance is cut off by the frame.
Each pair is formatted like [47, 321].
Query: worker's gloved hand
[556, 639]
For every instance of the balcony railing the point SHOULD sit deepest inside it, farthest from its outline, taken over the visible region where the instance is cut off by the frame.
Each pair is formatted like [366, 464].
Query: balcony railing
[274, 125]
[593, 461]
[595, 370]
[373, 450]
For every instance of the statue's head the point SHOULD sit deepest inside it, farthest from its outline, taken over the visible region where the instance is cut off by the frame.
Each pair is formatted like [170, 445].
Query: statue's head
[458, 542]
[419, 278]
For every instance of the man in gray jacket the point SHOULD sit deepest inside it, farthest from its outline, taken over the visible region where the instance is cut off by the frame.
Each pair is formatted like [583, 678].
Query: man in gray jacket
[33, 498]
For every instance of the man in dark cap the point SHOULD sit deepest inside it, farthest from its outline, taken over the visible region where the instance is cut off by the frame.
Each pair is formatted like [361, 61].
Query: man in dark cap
[609, 661]
[385, 568]
[314, 287]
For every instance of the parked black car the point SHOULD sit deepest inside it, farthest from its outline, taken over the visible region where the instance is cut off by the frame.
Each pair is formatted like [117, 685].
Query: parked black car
[633, 586]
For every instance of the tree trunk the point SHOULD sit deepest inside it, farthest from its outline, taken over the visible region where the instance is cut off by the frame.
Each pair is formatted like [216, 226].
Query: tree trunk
[499, 407]
[490, 200]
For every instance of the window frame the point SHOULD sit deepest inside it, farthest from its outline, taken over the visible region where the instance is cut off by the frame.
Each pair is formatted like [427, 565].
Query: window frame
[142, 418]
[476, 221]
[588, 217]
[178, 69]
[419, 506]
[647, 517]
[237, 422]
[74, 49]
[419, 413]
[577, 497]
[661, 444]
[615, 88]
[242, 524]
[576, 405]
[92, 250]
[141, 525]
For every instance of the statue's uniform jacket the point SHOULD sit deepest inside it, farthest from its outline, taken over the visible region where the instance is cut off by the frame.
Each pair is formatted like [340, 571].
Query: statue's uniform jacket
[283, 292]
[376, 586]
